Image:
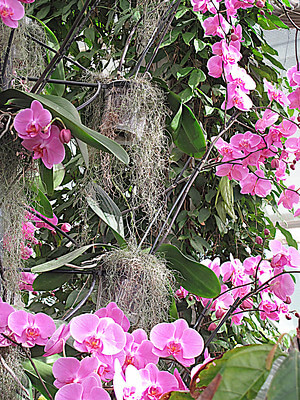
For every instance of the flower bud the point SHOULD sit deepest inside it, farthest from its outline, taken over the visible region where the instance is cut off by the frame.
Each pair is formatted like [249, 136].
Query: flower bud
[212, 326]
[288, 316]
[65, 136]
[258, 240]
[292, 166]
[297, 315]
[66, 227]
[267, 232]
[288, 300]
[275, 163]
[260, 3]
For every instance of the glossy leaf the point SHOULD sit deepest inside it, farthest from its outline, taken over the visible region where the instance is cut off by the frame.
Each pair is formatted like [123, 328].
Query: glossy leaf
[62, 108]
[40, 202]
[196, 77]
[105, 208]
[46, 175]
[177, 396]
[288, 236]
[45, 372]
[248, 363]
[50, 281]
[61, 261]
[194, 277]
[189, 135]
[286, 382]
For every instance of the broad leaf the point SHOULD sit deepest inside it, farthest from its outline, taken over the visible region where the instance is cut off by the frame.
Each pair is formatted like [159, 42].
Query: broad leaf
[248, 363]
[62, 108]
[46, 175]
[61, 261]
[288, 236]
[45, 372]
[40, 202]
[194, 277]
[105, 208]
[188, 135]
[50, 280]
[286, 382]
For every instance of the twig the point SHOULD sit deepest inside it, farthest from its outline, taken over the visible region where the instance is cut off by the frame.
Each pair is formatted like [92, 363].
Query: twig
[11, 372]
[89, 101]
[41, 217]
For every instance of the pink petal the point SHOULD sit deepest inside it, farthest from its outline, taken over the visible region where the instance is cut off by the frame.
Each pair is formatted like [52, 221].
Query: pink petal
[72, 391]
[87, 366]
[113, 340]
[83, 326]
[192, 343]
[18, 321]
[45, 324]
[64, 370]
[40, 114]
[161, 334]
[21, 121]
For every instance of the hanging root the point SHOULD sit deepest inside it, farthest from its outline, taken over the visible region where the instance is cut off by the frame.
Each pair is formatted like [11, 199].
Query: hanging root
[140, 284]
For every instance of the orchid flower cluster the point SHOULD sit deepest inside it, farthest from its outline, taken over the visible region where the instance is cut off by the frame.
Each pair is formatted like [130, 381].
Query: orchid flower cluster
[40, 135]
[114, 355]
[246, 153]
[11, 11]
[255, 274]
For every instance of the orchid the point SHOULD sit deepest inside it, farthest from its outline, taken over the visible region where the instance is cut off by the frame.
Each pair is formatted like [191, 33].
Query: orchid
[178, 340]
[11, 11]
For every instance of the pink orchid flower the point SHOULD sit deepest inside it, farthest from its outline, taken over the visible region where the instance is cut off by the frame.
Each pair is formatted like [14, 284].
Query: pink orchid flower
[247, 142]
[240, 77]
[29, 329]
[269, 118]
[49, 149]
[68, 370]
[236, 98]
[157, 382]
[26, 251]
[30, 122]
[237, 317]
[282, 286]
[276, 94]
[293, 146]
[178, 340]
[106, 368]
[283, 256]
[233, 171]
[293, 75]
[130, 385]
[181, 293]
[26, 281]
[289, 197]
[97, 335]
[139, 350]
[11, 11]
[5, 311]
[114, 312]
[269, 310]
[294, 99]
[87, 390]
[216, 25]
[252, 184]
[57, 341]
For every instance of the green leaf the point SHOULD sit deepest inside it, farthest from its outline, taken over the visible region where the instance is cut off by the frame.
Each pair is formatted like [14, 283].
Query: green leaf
[176, 121]
[65, 110]
[45, 372]
[50, 281]
[226, 190]
[289, 238]
[194, 277]
[61, 261]
[189, 136]
[199, 45]
[184, 72]
[286, 382]
[188, 36]
[46, 175]
[276, 21]
[177, 396]
[58, 174]
[248, 363]
[196, 77]
[105, 208]
[40, 203]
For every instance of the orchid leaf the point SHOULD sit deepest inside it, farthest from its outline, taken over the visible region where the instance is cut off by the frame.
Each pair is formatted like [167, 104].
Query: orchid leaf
[194, 277]
[186, 131]
[45, 372]
[61, 261]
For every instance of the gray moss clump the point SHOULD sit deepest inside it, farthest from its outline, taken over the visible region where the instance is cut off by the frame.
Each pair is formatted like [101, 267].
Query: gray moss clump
[140, 284]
